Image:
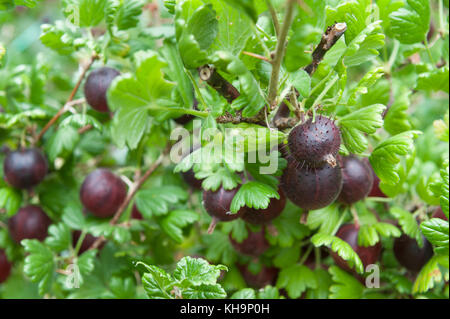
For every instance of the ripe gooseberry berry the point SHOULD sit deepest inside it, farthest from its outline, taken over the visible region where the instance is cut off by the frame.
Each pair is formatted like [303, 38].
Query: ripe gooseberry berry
[25, 168]
[30, 222]
[96, 87]
[357, 179]
[315, 143]
[102, 193]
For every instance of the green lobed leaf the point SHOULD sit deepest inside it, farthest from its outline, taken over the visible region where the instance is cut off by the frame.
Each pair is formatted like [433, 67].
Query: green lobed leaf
[296, 279]
[436, 80]
[254, 195]
[59, 237]
[354, 125]
[197, 271]
[436, 231]
[385, 158]
[157, 201]
[39, 264]
[133, 97]
[157, 283]
[174, 222]
[430, 274]
[410, 24]
[62, 143]
[344, 286]
[396, 120]
[10, 200]
[408, 223]
[342, 248]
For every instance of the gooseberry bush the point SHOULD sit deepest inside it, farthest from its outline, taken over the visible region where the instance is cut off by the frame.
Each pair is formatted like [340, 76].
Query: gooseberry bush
[224, 149]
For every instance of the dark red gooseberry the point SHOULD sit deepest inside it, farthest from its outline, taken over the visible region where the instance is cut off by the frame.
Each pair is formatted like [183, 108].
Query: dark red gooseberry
[96, 87]
[254, 245]
[368, 255]
[189, 176]
[217, 204]
[311, 188]
[438, 213]
[102, 193]
[88, 241]
[266, 276]
[191, 180]
[5, 149]
[25, 168]
[357, 179]
[135, 213]
[265, 216]
[5, 266]
[376, 191]
[315, 143]
[30, 222]
[410, 255]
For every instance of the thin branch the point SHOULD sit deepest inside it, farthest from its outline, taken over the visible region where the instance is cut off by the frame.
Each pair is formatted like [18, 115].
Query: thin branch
[279, 53]
[329, 38]
[208, 74]
[273, 13]
[84, 129]
[236, 119]
[257, 56]
[69, 100]
[132, 191]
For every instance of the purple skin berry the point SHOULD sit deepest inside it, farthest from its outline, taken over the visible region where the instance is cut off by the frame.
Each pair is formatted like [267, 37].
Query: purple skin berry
[189, 178]
[265, 216]
[254, 245]
[357, 179]
[311, 188]
[87, 241]
[5, 266]
[102, 193]
[438, 213]
[30, 222]
[135, 213]
[266, 276]
[25, 168]
[96, 87]
[368, 255]
[315, 144]
[376, 191]
[217, 204]
[410, 255]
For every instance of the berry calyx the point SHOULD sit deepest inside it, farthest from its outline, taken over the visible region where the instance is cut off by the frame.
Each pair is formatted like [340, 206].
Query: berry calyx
[96, 87]
[102, 193]
[30, 222]
[265, 216]
[410, 255]
[254, 245]
[217, 204]
[87, 242]
[25, 168]
[357, 179]
[311, 188]
[368, 255]
[5, 266]
[315, 143]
